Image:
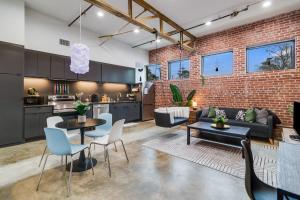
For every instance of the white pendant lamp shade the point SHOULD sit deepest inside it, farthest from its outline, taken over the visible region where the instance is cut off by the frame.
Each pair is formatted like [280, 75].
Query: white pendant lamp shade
[80, 56]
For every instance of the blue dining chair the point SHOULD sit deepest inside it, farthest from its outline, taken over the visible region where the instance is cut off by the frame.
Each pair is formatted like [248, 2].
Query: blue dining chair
[58, 144]
[102, 130]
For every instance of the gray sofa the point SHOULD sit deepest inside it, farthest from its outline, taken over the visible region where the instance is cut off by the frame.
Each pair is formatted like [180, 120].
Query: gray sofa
[259, 130]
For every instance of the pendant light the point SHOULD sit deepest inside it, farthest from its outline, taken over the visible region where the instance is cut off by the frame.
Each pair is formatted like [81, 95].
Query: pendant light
[80, 54]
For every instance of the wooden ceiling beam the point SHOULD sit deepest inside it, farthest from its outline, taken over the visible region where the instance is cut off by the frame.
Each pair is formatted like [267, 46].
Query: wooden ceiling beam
[117, 12]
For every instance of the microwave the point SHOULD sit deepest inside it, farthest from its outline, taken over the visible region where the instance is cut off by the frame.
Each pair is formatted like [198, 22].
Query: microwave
[33, 100]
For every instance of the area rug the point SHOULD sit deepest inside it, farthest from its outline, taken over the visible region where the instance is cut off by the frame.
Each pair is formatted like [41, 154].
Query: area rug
[224, 158]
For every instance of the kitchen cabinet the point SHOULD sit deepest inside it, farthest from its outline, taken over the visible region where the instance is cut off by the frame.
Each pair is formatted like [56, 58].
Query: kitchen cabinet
[134, 111]
[128, 111]
[94, 74]
[117, 74]
[69, 75]
[57, 67]
[37, 64]
[12, 59]
[35, 120]
[11, 106]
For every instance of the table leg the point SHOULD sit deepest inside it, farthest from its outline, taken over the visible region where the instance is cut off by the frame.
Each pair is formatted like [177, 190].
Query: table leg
[188, 136]
[279, 194]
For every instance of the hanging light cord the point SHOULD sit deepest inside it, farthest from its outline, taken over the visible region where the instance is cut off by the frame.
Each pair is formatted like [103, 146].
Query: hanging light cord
[80, 21]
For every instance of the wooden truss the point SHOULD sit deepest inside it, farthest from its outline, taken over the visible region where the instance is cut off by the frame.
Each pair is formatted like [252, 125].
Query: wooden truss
[140, 22]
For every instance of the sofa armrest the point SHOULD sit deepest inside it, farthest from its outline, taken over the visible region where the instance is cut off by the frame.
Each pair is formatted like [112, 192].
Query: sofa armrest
[199, 113]
[270, 124]
[162, 119]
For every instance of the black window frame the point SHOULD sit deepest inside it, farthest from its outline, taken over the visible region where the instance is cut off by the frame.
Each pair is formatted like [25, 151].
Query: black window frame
[268, 44]
[178, 60]
[217, 53]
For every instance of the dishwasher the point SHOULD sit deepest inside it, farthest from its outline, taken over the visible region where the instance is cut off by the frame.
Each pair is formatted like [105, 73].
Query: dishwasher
[100, 108]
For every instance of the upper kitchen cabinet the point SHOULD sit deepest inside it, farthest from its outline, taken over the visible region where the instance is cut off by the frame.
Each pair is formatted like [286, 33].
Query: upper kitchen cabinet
[57, 67]
[117, 74]
[37, 64]
[69, 75]
[12, 59]
[94, 74]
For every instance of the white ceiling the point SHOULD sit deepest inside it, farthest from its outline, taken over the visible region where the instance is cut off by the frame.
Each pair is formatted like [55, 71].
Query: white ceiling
[186, 13]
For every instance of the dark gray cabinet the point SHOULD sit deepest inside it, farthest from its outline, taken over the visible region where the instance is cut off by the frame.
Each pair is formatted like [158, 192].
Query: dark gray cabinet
[35, 120]
[94, 73]
[128, 111]
[57, 67]
[117, 74]
[37, 64]
[11, 59]
[11, 106]
[69, 75]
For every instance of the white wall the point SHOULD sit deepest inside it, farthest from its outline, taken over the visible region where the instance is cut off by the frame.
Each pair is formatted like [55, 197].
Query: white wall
[43, 32]
[12, 21]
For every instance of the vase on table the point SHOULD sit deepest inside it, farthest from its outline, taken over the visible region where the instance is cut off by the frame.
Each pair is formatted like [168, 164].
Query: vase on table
[220, 125]
[81, 118]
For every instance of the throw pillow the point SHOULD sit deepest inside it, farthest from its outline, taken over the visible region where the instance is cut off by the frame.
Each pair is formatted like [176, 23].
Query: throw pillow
[240, 116]
[204, 112]
[250, 115]
[261, 116]
[221, 113]
[211, 112]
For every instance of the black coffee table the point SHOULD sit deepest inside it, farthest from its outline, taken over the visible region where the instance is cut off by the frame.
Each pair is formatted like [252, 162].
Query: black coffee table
[73, 124]
[232, 133]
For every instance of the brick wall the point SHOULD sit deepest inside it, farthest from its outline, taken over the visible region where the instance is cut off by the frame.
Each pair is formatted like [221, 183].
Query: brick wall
[274, 90]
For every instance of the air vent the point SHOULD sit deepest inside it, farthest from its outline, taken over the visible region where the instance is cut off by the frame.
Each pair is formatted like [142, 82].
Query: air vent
[64, 42]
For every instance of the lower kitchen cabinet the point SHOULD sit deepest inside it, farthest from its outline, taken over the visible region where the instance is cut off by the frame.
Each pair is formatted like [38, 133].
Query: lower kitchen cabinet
[35, 120]
[128, 111]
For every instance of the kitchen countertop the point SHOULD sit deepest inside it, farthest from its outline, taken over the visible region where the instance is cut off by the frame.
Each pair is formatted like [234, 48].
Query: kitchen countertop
[113, 102]
[42, 105]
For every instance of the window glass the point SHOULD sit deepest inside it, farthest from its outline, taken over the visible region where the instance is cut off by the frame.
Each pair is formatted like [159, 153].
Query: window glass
[217, 64]
[179, 69]
[153, 72]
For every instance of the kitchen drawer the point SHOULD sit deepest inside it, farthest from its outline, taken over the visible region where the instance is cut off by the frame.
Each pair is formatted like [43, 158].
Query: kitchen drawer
[44, 109]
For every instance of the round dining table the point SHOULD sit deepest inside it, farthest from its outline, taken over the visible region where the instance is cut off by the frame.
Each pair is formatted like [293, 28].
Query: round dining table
[82, 163]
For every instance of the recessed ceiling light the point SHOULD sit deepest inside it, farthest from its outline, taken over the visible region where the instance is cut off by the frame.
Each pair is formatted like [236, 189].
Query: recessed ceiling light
[266, 4]
[158, 40]
[208, 23]
[100, 14]
[136, 30]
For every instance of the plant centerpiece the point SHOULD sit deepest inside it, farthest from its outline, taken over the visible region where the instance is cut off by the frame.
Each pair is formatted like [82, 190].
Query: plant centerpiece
[220, 122]
[81, 109]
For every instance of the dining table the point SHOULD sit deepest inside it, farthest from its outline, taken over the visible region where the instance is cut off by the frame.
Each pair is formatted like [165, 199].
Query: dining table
[83, 163]
[288, 168]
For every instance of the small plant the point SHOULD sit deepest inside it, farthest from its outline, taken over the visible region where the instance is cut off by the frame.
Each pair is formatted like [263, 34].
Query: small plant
[291, 109]
[220, 122]
[81, 108]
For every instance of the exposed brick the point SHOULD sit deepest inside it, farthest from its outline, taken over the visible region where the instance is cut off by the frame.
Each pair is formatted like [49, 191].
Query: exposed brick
[274, 90]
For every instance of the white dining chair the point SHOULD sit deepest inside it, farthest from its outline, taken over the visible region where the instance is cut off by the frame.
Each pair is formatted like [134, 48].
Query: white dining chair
[51, 122]
[115, 135]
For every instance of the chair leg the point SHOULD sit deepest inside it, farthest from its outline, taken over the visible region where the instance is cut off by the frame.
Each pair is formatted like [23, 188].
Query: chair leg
[124, 150]
[104, 154]
[115, 147]
[43, 155]
[37, 187]
[70, 177]
[91, 160]
[62, 160]
[107, 155]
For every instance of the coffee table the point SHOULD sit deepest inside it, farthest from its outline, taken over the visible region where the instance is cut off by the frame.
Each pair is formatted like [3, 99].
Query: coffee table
[227, 135]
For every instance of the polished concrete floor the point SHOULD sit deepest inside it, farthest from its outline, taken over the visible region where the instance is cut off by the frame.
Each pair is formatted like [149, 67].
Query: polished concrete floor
[150, 174]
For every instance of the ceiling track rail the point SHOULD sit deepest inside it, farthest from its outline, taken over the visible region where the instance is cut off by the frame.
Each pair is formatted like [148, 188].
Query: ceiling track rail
[82, 13]
[141, 23]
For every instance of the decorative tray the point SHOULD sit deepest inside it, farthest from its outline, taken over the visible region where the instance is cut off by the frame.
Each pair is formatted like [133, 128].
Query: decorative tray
[215, 126]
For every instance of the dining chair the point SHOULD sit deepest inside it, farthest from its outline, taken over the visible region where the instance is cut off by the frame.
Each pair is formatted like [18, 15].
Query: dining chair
[102, 130]
[256, 189]
[51, 122]
[58, 144]
[115, 135]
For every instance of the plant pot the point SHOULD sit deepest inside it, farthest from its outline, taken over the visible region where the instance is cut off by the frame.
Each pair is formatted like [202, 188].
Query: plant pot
[81, 118]
[220, 125]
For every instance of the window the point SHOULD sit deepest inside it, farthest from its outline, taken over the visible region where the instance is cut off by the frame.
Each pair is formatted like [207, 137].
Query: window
[277, 56]
[179, 69]
[217, 64]
[153, 72]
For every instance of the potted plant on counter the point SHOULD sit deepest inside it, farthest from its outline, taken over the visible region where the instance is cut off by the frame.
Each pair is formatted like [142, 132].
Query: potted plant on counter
[81, 109]
[220, 122]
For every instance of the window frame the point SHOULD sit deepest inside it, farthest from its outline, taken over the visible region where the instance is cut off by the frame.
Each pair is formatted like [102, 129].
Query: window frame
[159, 72]
[176, 60]
[267, 44]
[217, 53]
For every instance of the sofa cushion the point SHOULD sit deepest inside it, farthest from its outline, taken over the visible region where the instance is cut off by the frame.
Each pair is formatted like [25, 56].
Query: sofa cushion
[240, 116]
[221, 113]
[211, 112]
[204, 112]
[261, 116]
[231, 112]
[250, 115]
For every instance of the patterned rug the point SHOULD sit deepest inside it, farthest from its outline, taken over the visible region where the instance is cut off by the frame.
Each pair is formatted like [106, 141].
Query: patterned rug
[227, 159]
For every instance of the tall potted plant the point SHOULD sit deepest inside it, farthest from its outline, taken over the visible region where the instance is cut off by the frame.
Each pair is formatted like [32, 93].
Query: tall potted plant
[81, 109]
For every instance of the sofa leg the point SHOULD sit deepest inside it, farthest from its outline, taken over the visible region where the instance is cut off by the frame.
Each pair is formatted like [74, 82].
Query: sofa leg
[271, 140]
